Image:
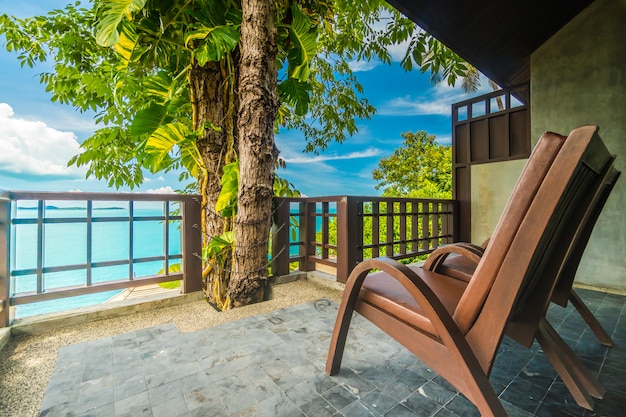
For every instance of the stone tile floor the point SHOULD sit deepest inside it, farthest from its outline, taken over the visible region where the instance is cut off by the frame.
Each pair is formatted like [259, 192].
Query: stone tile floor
[272, 365]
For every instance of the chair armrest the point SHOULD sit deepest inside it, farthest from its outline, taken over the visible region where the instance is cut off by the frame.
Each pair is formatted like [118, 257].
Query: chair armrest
[448, 332]
[432, 307]
[439, 255]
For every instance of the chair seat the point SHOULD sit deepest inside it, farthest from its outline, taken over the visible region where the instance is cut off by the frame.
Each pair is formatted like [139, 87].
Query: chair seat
[386, 293]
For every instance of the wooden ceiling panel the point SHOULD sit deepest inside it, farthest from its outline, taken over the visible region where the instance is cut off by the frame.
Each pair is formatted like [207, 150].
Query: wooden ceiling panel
[496, 36]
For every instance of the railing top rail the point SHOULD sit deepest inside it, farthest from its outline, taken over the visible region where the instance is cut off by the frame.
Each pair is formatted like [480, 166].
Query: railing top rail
[326, 199]
[361, 198]
[83, 196]
[497, 93]
[401, 199]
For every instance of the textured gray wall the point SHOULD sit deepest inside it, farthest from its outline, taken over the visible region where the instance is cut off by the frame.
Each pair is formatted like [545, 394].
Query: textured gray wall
[579, 77]
[491, 188]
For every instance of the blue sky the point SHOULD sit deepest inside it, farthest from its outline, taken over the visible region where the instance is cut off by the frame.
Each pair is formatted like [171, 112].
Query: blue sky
[38, 136]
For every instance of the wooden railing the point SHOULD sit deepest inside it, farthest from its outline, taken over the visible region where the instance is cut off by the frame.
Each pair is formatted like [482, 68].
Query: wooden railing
[339, 232]
[308, 234]
[179, 214]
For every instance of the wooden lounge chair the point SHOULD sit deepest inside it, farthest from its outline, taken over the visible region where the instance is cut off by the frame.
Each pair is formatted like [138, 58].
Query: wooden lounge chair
[529, 322]
[455, 327]
[465, 259]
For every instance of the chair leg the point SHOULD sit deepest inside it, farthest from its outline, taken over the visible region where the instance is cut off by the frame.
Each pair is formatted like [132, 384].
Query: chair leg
[576, 376]
[590, 319]
[485, 398]
[340, 334]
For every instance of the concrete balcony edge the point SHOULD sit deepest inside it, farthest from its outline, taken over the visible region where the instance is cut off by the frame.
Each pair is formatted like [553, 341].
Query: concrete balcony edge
[46, 322]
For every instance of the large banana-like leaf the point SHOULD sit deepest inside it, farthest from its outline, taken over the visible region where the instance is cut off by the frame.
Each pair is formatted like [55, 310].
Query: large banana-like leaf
[162, 141]
[214, 43]
[127, 42]
[296, 94]
[149, 119]
[226, 203]
[160, 146]
[111, 15]
[304, 38]
[190, 158]
[216, 31]
[162, 88]
[158, 87]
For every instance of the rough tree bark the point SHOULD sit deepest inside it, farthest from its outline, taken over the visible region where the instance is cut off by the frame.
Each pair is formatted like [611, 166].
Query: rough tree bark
[207, 88]
[258, 104]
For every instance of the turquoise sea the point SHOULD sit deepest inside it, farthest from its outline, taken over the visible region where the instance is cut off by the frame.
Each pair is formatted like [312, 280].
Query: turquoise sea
[66, 244]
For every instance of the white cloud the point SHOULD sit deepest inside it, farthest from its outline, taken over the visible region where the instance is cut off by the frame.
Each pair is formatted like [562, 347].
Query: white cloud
[368, 153]
[408, 106]
[439, 103]
[161, 190]
[362, 66]
[33, 149]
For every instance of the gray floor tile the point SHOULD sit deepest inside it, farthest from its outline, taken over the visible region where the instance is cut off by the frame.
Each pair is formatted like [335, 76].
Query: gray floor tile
[318, 407]
[339, 397]
[95, 393]
[272, 364]
[129, 387]
[165, 393]
[358, 409]
[278, 405]
[172, 407]
[379, 402]
[202, 397]
[137, 405]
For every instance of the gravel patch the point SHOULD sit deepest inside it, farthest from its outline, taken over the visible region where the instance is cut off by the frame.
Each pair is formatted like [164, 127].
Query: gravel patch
[27, 361]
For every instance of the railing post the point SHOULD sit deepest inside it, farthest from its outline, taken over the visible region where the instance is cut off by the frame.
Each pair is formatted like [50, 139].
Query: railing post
[280, 237]
[349, 237]
[192, 246]
[307, 236]
[453, 222]
[5, 260]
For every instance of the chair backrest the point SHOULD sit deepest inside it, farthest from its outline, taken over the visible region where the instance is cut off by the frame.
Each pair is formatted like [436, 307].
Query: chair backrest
[569, 245]
[528, 184]
[574, 254]
[530, 237]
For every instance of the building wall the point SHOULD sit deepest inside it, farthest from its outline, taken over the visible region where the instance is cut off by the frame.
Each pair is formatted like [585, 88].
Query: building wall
[491, 186]
[579, 77]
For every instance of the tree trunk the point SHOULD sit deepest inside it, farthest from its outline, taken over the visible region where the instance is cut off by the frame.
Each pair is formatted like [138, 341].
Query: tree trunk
[258, 104]
[207, 89]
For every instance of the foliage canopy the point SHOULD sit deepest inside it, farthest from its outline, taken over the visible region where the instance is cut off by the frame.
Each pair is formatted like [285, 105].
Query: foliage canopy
[132, 70]
[420, 168]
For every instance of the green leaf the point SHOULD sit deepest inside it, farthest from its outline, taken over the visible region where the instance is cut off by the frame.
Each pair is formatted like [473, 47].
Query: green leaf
[162, 142]
[218, 244]
[110, 17]
[227, 201]
[148, 120]
[296, 93]
[127, 42]
[304, 47]
[162, 88]
[190, 158]
[214, 42]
